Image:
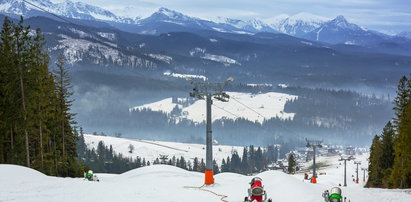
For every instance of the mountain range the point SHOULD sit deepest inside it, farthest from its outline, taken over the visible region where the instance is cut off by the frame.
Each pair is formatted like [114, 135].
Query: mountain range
[68, 9]
[303, 25]
[299, 48]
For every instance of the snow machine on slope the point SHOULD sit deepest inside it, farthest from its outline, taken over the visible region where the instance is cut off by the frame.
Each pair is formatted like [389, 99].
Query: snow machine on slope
[334, 195]
[90, 176]
[256, 193]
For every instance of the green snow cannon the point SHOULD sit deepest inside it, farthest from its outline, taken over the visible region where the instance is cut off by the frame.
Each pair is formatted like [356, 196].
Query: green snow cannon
[89, 175]
[335, 195]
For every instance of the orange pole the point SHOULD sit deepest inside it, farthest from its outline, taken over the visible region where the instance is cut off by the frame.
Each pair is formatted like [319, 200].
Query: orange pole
[313, 180]
[209, 177]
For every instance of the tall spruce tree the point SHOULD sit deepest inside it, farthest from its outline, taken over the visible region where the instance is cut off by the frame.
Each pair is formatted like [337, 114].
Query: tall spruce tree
[22, 44]
[374, 164]
[8, 105]
[196, 164]
[403, 97]
[65, 118]
[401, 171]
[387, 150]
[244, 162]
[291, 164]
[401, 175]
[387, 146]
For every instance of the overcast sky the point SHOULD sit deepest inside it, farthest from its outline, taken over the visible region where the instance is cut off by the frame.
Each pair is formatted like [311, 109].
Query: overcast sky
[389, 16]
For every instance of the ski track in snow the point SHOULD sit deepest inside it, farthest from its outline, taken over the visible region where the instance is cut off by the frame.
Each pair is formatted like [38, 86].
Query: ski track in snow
[171, 184]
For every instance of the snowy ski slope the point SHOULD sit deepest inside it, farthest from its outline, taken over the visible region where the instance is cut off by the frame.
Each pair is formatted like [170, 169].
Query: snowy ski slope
[162, 183]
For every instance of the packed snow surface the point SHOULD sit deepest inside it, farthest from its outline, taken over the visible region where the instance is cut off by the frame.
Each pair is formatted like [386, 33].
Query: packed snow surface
[150, 149]
[166, 184]
[253, 107]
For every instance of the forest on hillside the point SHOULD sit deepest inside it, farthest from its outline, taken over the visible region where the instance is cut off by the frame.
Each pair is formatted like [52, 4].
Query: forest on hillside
[390, 152]
[36, 124]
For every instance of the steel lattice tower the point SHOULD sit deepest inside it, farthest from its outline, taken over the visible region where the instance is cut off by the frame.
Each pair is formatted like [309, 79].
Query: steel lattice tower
[314, 144]
[205, 90]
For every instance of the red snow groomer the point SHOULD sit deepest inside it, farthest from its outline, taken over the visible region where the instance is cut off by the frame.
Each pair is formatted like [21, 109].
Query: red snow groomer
[256, 193]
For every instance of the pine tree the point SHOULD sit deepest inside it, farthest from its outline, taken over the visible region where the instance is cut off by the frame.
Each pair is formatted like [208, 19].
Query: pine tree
[251, 157]
[195, 164]
[291, 164]
[387, 150]
[244, 162]
[216, 169]
[235, 163]
[228, 165]
[21, 35]
[62, 81]
[201, 166]
[259, 161]
[401, 172]
[65, 118]
[387, 144]
[41, 92]
[374, 164]
[223, 166]
[401, 176]
[9, 107]
[183, 163]
[403, 97]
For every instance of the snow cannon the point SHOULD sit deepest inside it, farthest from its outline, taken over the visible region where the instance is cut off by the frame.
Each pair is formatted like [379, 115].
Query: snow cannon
[90, 176]
[333, 196]
[256, 192]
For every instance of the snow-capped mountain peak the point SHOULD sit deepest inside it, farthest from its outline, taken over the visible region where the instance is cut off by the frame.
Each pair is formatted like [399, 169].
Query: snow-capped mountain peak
[83, 11]
[258, 24]
[276, 20]
[170, 14]
[251, 25]
[340, 18]
[13, 7]
[300, 24]
[69, 9]
[341, 22]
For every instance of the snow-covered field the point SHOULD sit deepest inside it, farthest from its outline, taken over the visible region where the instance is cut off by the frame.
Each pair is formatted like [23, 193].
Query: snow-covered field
[268, 105]
[150, 150]
[185, 76]
[164, 183]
